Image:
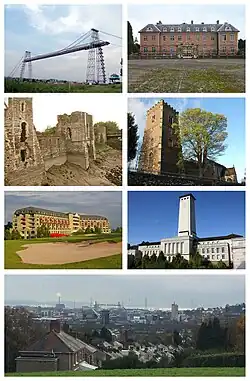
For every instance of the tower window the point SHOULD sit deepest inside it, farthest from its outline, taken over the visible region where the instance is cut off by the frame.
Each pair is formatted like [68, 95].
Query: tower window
[22, 107]
[23, 132]
[69, 132]
[23, 154]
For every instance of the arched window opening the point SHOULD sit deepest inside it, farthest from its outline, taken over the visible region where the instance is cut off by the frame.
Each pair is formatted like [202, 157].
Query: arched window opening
[69, 132]
[23, 155]
[23, 132]
[22, 106]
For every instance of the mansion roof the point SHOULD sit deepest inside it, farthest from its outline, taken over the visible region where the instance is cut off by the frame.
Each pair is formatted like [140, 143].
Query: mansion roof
[184, 27]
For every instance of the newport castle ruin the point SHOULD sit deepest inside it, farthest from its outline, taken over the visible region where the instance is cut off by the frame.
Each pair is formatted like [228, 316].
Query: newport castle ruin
[29, 154]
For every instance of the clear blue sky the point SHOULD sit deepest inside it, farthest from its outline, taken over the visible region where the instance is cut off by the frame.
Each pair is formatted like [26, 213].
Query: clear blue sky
[154, 215]
[232, 108]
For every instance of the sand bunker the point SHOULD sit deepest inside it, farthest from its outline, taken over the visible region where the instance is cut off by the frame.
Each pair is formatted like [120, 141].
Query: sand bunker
[56, 253]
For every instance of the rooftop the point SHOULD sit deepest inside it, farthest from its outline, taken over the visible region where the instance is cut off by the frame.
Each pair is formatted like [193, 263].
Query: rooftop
[186, 27]
[35, 210]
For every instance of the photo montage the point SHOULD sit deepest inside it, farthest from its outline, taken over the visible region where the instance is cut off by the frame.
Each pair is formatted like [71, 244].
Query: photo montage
[124, 190]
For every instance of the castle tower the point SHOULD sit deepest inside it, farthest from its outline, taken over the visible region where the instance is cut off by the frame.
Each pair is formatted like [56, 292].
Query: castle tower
[23, 157]
[78, 130]
[187, 223]
[160, 148]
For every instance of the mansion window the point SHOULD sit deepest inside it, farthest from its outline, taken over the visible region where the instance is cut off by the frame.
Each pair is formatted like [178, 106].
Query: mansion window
[212, 38]
[172, 29]
[153, 49]
[165, 29]
[212, 29]
[208, 251]
[170, 119]
[224, 49]
[204, 29]
[145, 50]
[228, 28]
[172, 37]
[212, 256]
[232, 50]
[212, 250]
[231, 37]
[224, 37]
[223, 250]
[223, 256]
[203, 251]
[218, 257]
[164, 38]
[153, 38]
[217, 250]
[204, 37]
[179, 29]
[188, 29]
[145, 38]
[197, 29]
[179, 38]
[149, 29]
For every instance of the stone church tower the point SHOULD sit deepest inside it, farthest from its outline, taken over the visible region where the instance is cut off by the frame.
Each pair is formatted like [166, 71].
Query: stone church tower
[23, 158]
[160, 148]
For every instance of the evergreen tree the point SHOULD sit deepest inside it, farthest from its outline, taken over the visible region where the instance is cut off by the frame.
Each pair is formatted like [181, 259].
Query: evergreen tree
[132, 137]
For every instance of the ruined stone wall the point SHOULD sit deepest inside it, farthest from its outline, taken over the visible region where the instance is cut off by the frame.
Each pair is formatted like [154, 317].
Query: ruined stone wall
[100, 134]
[53, 149]
[78, 131]
[23, 158]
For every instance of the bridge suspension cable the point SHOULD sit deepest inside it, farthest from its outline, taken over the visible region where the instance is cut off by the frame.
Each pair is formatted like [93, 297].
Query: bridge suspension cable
[109, 34]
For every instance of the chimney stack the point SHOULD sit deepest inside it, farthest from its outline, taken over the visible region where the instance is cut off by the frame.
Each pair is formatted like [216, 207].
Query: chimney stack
[218, 21]
[202, 23]
[55, 325]
[192, 21]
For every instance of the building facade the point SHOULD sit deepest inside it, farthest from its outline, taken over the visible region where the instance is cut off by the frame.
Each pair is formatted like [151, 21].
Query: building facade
[189, 40]
[58, 351]
[229, 249]
[161, 149]
[27, 220]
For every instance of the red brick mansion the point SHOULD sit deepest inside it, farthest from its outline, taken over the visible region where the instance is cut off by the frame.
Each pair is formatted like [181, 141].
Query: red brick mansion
[189, 40]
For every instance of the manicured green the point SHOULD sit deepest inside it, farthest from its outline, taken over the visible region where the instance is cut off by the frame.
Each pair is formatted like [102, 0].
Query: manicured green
[12, 86]
[166, 372]
[13, 261]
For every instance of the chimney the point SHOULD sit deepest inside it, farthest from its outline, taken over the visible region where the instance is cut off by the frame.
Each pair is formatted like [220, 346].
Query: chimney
[202, 23]
[55, 325]
[218, 21]
[192, 21]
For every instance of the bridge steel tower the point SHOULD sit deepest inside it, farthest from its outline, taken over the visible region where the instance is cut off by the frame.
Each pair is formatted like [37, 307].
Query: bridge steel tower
[96, 65]
[27, 56]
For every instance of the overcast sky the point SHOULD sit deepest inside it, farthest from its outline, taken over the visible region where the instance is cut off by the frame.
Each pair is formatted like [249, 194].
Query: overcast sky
[46, 28]
[106, 203]
[143, 14]
[103, 107]
[188, 291]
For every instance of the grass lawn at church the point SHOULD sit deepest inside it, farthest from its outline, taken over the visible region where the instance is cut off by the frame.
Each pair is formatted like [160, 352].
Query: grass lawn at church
[161, 372]
[13, 261]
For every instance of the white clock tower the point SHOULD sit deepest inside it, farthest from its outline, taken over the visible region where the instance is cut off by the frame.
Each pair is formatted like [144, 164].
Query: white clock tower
[187, 224]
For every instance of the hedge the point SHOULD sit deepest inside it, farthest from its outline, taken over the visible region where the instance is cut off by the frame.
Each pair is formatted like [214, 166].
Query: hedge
[215, 360]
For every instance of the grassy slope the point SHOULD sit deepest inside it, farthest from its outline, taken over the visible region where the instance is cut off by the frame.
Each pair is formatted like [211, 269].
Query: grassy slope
[12, 86]
[13, 261]
[167, 372]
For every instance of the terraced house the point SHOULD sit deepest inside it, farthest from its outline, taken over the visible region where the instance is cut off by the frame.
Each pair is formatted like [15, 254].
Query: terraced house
[27, 220]
[189, 40]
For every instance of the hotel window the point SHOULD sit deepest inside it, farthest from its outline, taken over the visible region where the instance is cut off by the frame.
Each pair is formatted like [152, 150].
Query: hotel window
[231, 37]
[172, 37]
[179, 38]
[153, 38]
[145, 38]
[224, 37]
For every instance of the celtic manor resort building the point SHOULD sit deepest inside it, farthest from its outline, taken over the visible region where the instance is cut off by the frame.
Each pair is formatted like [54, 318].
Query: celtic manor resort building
[27, 220]
[229, 249]
[161, 150]
[189, 40]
